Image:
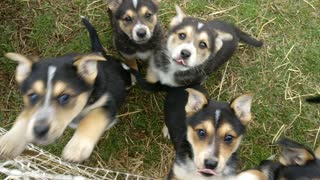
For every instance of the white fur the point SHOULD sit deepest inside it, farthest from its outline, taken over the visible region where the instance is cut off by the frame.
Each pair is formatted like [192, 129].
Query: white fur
[78, 149]
[138, 55]
[135, 3]
[217, 115]
[165, 132]
[51, 73]
[137, 27]
[200, 25]
[14, 141]
[245, 176]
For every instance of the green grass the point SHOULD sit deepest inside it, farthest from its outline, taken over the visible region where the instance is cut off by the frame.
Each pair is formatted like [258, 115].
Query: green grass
[281, 74]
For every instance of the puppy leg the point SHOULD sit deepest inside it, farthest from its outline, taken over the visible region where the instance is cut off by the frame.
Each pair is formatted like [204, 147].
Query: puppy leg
[151, 76]
[89, 130]
[133, 64]
[14, 141]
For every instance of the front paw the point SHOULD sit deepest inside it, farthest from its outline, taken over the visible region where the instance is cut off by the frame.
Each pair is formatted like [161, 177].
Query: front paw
[77, 150]
[165, 132]
[11, 146]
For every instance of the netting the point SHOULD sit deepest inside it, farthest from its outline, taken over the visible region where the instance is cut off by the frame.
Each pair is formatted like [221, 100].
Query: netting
[36, 163]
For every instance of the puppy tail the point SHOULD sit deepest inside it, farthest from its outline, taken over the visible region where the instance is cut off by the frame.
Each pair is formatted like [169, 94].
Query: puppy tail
[247, 38]
[95, 41]
[141, 81]
[315, 99]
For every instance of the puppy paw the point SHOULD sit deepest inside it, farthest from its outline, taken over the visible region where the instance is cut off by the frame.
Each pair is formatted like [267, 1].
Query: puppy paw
[165, 132]
[77, 150]
[11, 146]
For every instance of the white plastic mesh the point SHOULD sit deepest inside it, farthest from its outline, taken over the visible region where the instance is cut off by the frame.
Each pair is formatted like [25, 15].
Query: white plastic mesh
[36, 163]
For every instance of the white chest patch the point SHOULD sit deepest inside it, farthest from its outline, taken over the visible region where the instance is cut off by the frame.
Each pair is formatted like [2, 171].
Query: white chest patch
[135, 3]
[200, 25]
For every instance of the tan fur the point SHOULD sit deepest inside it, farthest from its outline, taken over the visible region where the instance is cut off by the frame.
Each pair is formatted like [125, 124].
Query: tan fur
[86, 136]
[151, 76]
[300, 156]
[196, 101]
[127, 27]
[178, 18]
[226, 150]
[24, 67]
[150, 23]
[221, 36]
[318, 152]
[252, 175]
[132, 63]
[38, 87]
[87, 66]
[114, 4]
[242, 107]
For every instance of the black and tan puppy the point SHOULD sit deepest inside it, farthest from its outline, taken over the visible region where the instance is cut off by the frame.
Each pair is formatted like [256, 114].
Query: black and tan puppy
[136, 28]
[194, 49]
[296, 162]
[80, 90]
[206, 134]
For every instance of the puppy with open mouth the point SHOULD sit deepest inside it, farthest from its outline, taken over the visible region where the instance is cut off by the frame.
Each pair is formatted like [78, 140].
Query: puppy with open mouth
[205, 133]
[136, 28]
[193, 49]
[83, 91]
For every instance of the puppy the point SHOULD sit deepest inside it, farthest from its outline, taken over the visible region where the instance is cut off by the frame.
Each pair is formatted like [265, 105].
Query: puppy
[136, 28]
[296, 162]
[205, 133]
[194, 49]
[80, 90]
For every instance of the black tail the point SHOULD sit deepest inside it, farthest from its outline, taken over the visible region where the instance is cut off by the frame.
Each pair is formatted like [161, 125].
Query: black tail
[95, 41]
[248, 39]
[313, 99]
[141, 81]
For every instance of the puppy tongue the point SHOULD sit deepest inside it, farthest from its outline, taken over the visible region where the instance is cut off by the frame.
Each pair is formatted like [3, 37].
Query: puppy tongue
[181, 61]
[208, 171]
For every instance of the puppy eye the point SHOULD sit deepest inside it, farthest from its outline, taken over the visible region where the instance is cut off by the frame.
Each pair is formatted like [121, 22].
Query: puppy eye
[33, 97]
[201, 133]
[128, 19]
[202, 45]
[63, 99]
[147, 15]
[228, 139]
[182, 36]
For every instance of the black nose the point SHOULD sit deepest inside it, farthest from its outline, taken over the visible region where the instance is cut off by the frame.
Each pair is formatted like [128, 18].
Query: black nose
[210, 164]
[141, 33]
[185, 54]
[41, 129]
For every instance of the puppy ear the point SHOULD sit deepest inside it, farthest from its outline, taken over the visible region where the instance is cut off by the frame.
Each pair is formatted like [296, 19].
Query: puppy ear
[221, 36]
[87, 66]
[156, 2]
[196, 101]
[178, 18]
[24, 67]
[242, 107]
[114, 4]
[294, 153]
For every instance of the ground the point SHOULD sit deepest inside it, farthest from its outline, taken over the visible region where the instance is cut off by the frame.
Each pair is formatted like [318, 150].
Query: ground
[281, 74]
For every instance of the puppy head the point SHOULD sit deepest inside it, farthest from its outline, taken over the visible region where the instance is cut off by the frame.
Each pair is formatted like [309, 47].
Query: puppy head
[136, 18]
[215, 130]
[54, 92]
[294, 153]
[191, 42]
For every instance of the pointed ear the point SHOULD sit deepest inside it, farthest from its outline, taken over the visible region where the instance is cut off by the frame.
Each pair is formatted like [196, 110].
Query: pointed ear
[221, 36]
[156, 2]
[24, 67]
[196, 101]
[242, 107]
[114, 4]
[178, 18]
[87, 66]
[294, 153]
